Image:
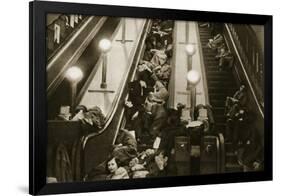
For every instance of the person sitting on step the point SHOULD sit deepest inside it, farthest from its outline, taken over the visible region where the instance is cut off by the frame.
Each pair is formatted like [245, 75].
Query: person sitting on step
[226, 59]
[239, 97]
[216, 42]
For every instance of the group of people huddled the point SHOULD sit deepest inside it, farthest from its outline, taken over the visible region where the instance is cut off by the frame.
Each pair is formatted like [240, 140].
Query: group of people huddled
[145, 112]
[241, 132]
[148, 93]
[126, 162]
[59, 29]
[145, 146]
[217, 43]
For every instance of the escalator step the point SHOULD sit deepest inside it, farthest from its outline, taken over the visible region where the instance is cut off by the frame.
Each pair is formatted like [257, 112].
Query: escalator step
[221, 83]
[219, 111]
[204, 32]
[212, 63]
[211, 55]
[218, 73]
[218, 77]
[213, 68]
[231, 168]
[220, 126]
[218, 97]
[217, 103]
[213, 72]
[227, 90]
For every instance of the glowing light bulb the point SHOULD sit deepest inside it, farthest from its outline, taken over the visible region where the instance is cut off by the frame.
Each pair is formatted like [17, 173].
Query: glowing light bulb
[190, 49]
[193, 77]
[74, 74]
[105, 45]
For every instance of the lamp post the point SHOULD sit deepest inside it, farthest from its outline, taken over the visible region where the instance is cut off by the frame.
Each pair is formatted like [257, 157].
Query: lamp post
[193, 78]
[190, 51]
[104, 45]
[74, 75]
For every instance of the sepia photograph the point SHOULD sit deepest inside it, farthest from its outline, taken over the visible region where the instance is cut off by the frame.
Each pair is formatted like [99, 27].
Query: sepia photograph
[135, 98]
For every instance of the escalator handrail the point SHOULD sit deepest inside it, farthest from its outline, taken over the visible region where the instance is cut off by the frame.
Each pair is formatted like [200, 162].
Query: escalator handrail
[244, 71]
[66, 45]
[68, 38]
[77, 52]
[90, 136]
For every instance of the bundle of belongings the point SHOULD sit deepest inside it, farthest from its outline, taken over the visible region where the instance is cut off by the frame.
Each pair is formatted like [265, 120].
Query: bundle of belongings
[64, 113]
[93, 118]
[151, 72]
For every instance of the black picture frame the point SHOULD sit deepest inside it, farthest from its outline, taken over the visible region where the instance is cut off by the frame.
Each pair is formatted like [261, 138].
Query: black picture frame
[38, 103]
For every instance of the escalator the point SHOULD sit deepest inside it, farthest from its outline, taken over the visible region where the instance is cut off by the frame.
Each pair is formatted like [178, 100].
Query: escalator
[220, 83]
[223, 83]
[81, 147]
[81, 51]
[97, 146]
